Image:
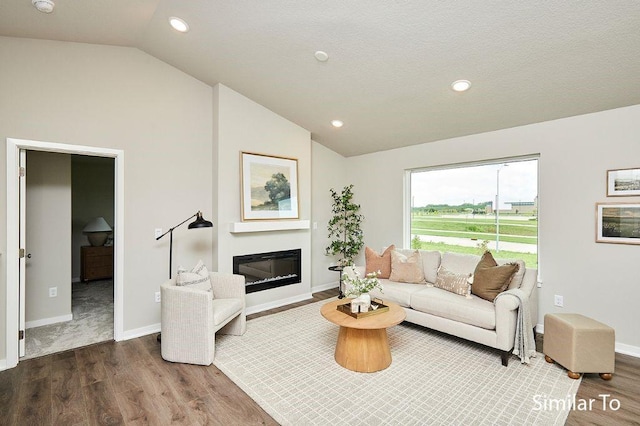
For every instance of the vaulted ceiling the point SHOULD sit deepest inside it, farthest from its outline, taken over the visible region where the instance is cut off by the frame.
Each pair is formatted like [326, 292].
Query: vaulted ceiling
[391, 62]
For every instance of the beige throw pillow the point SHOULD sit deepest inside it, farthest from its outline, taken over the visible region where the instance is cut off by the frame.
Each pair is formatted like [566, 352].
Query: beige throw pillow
[489, 279]
[378, 262]
[198, 277]
[406, 269]
[450, 281]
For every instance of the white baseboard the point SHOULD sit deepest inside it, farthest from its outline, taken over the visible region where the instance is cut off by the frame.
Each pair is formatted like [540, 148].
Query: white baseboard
[633, 351]
[47, 321]
[139, 332]
[3, 364]
[276, 304]
[621, 348]
[323, 287]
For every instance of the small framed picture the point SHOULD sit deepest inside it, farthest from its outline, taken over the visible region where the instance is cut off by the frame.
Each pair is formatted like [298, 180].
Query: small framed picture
[618, 223]
[623, 183]
[269, 187]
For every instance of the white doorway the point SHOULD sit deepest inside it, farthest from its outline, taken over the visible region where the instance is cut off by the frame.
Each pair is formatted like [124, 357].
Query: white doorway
[15, 297]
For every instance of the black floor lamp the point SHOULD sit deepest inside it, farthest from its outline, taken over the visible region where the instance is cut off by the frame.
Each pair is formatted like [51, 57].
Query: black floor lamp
[198, 223]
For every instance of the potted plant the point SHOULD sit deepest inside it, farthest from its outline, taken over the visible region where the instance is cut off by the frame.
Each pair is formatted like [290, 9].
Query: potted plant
[360, 287]
[344, 227]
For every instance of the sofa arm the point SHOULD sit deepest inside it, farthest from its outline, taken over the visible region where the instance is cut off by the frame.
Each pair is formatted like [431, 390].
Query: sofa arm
[506, 317]
[227, 286]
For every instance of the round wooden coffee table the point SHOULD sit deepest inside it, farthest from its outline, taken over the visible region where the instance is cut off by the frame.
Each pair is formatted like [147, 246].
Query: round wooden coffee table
[363, 345]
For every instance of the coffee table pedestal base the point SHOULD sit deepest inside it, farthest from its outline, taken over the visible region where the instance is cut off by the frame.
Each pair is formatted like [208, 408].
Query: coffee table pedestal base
[363, 350]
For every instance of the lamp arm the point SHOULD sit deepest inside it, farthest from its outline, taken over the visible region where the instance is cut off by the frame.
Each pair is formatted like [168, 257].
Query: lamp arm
[181, 223]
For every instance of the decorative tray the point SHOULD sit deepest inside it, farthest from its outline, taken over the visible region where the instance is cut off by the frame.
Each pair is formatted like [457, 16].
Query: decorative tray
[381, 307]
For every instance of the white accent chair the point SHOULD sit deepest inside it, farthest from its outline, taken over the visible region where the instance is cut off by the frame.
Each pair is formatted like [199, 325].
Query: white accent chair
[190, 317]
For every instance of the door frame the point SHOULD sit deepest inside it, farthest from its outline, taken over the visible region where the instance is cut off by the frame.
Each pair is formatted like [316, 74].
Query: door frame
[13, 220]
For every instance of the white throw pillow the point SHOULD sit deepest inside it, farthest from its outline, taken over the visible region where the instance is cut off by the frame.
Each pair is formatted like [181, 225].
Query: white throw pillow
[198, 277]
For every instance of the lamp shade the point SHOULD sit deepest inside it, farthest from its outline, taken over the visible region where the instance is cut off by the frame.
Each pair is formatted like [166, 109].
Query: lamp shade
[97, 231]
[200, 222]
[97, 225]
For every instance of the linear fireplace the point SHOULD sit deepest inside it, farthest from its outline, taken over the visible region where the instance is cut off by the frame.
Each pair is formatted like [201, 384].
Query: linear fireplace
[263, 271]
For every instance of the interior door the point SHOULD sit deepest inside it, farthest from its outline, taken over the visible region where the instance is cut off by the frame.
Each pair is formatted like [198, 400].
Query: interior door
[23, 256]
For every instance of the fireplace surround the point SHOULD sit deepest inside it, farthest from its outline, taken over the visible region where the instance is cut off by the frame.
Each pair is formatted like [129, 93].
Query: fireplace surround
[264, 271]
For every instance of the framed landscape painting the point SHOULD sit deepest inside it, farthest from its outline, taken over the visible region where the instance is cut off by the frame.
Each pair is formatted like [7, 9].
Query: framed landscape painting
[269, 187]
[623, 182]
[618, 223]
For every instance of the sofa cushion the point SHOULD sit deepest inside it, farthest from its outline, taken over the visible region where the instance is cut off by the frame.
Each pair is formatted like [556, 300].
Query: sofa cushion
[489, 279]
[378, 262]
[450, 281]
[406, 269]
[474, 311]
[399, 293]
[460, 263]
[516, 280]
[430, 262]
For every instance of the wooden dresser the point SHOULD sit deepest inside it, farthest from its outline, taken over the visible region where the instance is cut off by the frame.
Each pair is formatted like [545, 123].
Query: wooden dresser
[96, 263]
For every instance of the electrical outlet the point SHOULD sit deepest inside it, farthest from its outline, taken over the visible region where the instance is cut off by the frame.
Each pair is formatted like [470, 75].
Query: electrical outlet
[558, 301]
[53, 291]
[157, 232]
[157, 297]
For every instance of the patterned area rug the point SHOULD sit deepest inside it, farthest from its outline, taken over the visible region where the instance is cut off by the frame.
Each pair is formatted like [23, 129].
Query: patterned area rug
[92, 307]
[285, 363]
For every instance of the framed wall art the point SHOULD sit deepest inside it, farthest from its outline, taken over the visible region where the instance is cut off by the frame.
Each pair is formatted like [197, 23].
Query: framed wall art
[618, 223]
[623, 182]
[269, 187]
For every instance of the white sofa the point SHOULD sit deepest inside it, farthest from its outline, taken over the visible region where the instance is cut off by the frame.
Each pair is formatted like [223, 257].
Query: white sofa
[191, 316]
[473, 318]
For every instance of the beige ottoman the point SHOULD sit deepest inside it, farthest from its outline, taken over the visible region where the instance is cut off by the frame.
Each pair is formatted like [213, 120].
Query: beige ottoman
[579, 344]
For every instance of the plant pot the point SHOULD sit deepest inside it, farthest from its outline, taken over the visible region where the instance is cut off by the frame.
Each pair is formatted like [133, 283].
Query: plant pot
[364, 299]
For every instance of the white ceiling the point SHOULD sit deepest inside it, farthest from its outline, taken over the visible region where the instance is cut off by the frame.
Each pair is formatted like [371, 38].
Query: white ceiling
[391, 62]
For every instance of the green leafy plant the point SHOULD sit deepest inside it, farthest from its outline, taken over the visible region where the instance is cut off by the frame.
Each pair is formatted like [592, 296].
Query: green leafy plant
[358, 285]
[416, 242]
[344, 228]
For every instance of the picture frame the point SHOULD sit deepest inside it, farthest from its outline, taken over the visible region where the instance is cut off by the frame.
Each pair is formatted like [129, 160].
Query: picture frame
[618, 223]
[269, 187]
[623, 182]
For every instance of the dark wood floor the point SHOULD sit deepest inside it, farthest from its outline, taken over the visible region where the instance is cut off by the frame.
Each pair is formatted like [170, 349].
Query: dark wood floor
[128, 383]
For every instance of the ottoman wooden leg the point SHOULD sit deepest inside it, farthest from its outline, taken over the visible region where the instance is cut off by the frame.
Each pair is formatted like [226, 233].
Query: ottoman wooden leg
[573, 375]
[606, 376]
[548, 359]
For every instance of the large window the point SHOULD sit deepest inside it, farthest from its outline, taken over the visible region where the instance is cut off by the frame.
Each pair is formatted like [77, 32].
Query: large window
[472, 208]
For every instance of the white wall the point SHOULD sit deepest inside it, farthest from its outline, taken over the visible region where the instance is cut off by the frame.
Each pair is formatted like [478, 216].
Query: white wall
[329, 170]
[597, 280]
[48, 216]
[244, 125]
[120, 98]
[92, 195]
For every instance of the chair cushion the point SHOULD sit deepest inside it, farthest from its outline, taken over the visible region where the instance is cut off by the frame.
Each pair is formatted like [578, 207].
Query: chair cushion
[198, 277]
[223, 309]
[474, 311]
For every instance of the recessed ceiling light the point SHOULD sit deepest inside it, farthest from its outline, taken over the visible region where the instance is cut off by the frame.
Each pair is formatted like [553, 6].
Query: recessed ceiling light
[321, 56]
[44, 6]
[337, 123]
[179, 25]
[461, 85]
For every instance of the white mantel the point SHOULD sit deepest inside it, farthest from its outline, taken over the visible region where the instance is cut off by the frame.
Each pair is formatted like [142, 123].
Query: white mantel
[267, 226]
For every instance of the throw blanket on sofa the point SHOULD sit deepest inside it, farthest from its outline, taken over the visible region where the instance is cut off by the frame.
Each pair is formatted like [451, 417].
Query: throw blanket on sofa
[524, 344]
